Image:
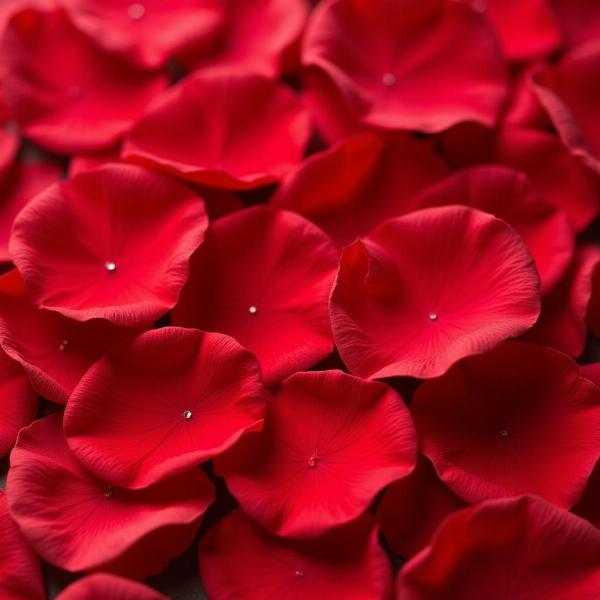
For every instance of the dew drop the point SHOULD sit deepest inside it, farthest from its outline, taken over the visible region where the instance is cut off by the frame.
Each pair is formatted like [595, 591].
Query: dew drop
[433, 316]
[108, 492]
[388, 79]
[313, 461]
[110, 266]
[299, 573]
[136, 11]
[252, 310]
[63, 345]
[504, 433]
[187, 414]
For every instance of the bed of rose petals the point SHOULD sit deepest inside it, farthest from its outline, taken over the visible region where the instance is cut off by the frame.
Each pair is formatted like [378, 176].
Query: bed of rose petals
[304, 289]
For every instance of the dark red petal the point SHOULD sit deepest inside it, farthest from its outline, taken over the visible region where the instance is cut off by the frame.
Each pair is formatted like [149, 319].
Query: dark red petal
[78, 522]
[411, 85]
[240, 560]
[124, 265]
[225, 153]
[213, 391]
[503, 424]
[513, 548]
[331, 442]
[102, 586]
[429, 288]
[263, 276]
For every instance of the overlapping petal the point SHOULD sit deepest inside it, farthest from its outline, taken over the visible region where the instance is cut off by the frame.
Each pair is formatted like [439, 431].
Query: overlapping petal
[103, 585]
[331, 442]
[86, 101]
[135, 231]
[80, 523]
[517, 420]
[176, 397]
[409, 85]
[240, 560]
[263, 276]
[224, 152]
[429, 288]
[519, 548]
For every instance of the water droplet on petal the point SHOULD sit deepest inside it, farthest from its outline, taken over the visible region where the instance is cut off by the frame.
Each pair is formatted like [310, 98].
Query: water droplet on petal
[252, 310]
[388, 79]
[63, 345]
[433, 316]
[313, 461]
[187, 414]
[110, 266]
[108, 492]
[299, 573]
[136, 11]
[504, 433]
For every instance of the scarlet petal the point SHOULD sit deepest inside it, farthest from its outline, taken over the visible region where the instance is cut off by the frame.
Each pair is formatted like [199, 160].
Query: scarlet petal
[213, 394]
[579, 20]
[568, 93]
[78, 522]
[54, 351]
[113, 587]
[376, 178]
[240, 560]
[17, 189]
[412, 508]
[510, 548]
[510, 196]
[331, 442]
[147, 33]
[562, 322]
[124, 265]
[486, 425]
[9, 145]
[408, 85]
[257, 35]
[20, 573]
[429, 288]
[263, 276]
[527, 29]
[225, 153]
[18, 402]
[86, 101]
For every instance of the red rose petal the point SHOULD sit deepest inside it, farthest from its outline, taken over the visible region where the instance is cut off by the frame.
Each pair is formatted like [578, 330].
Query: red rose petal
[504, 424]
[150, 32]
[510, 196]
[240, 560]
[17, 189]
[579, 20]
[331, 442]
[518, 548]
[54, 351]
[86, 101]
[9, 145]
[108, 587]
[18, 403]
[124, 265]
[412, 508]
[527, 28]
[20, 573]
[562, 322]
[429, 288]
[376, 178]
[558, 176]
[410, 85]
[178, 397]
[258, 35]
[80, 523]
[225, 153]
[263, 276]
[568, 92]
